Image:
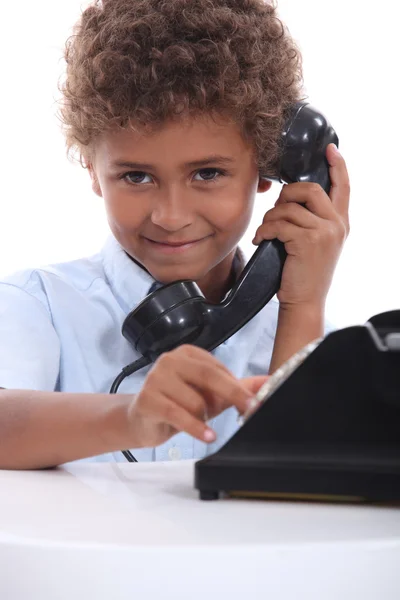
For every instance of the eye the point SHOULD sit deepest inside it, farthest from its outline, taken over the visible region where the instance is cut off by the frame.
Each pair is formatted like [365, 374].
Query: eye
[135, 177]
[210, 174]
[138, 177]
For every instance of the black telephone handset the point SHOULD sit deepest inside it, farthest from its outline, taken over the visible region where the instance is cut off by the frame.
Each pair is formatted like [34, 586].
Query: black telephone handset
[179, 314]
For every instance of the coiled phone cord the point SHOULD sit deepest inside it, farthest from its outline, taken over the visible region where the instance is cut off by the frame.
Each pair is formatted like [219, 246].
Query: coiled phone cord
[126, 371]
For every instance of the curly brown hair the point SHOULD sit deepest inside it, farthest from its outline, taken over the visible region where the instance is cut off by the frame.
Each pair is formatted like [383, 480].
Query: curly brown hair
[137, 63]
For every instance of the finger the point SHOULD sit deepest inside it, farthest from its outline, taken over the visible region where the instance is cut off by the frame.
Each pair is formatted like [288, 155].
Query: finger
[293, 213]
[185, 363]
[340, 189]
[220, 385]
[175, 415]
[311, 195]
[187, 396]
[253, 384]
[197, 353]
[281, 230]
[202, 371]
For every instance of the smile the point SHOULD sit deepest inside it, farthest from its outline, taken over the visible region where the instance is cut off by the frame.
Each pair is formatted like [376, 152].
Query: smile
[174, 247]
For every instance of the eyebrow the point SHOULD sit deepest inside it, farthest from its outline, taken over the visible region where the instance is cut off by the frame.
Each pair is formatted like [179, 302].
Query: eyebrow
[215, 158]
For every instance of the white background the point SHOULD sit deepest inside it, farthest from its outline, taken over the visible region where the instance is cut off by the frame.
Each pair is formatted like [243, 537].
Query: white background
[48, 212]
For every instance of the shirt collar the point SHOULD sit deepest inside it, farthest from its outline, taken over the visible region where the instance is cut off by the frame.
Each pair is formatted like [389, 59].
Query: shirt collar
[129, 282]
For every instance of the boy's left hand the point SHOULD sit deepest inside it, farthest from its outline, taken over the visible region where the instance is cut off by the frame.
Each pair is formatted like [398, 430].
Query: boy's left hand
[313, 234]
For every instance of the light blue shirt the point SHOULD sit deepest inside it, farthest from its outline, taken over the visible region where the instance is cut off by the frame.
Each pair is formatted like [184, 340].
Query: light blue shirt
[60, 330]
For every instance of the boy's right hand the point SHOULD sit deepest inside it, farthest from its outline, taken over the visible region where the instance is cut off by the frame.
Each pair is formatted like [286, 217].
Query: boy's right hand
[185, 387]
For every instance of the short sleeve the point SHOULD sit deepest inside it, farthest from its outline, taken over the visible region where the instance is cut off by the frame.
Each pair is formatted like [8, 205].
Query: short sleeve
[29, 344]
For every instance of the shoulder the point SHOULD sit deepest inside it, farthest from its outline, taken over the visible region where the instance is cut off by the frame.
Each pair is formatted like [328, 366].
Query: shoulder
[79, 274]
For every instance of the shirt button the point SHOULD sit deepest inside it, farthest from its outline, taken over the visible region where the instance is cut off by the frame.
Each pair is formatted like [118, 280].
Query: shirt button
[174, 453]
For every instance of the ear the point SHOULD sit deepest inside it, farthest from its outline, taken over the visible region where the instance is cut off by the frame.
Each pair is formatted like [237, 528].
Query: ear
[95, 182]
[263, 185]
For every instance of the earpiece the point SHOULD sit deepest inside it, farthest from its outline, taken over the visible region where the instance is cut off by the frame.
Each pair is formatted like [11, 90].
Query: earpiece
[305, 137]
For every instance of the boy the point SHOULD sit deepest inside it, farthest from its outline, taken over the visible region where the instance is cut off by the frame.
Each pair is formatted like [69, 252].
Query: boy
[176, 109]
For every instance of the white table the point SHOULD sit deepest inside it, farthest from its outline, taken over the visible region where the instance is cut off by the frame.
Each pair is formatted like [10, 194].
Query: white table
[137, 531]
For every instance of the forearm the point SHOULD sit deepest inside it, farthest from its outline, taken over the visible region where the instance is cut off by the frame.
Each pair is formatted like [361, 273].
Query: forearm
[296, 328]
[45, 429]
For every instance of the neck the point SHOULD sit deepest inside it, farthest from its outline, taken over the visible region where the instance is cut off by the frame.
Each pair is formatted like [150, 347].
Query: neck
[219, 279]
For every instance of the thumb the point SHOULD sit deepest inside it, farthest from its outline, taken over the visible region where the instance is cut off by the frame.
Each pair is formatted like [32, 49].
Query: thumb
[253, 384]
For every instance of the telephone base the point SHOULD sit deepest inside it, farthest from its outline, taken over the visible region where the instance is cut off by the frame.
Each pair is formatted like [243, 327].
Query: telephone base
[298, 476]
[329, 432]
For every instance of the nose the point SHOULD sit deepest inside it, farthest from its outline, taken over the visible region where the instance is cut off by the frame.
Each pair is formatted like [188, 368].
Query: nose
[172, 210]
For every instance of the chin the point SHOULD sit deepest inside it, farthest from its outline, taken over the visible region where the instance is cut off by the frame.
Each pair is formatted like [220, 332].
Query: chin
[175, 272]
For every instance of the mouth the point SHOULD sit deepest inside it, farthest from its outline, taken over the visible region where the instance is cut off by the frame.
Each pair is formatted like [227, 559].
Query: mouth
[174, 247]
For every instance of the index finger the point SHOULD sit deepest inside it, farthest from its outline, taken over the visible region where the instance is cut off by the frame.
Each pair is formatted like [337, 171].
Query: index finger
[200, 354]
[214, 383]
[340, 182]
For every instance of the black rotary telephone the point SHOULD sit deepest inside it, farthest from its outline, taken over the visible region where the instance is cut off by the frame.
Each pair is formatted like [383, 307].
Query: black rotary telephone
[178, 313]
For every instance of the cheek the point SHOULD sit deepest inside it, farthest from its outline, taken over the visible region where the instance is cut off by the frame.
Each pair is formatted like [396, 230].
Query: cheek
[125, 213]
[235, 217]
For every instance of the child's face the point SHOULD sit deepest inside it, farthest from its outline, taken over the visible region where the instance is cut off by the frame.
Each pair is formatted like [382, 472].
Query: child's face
[179, 220]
